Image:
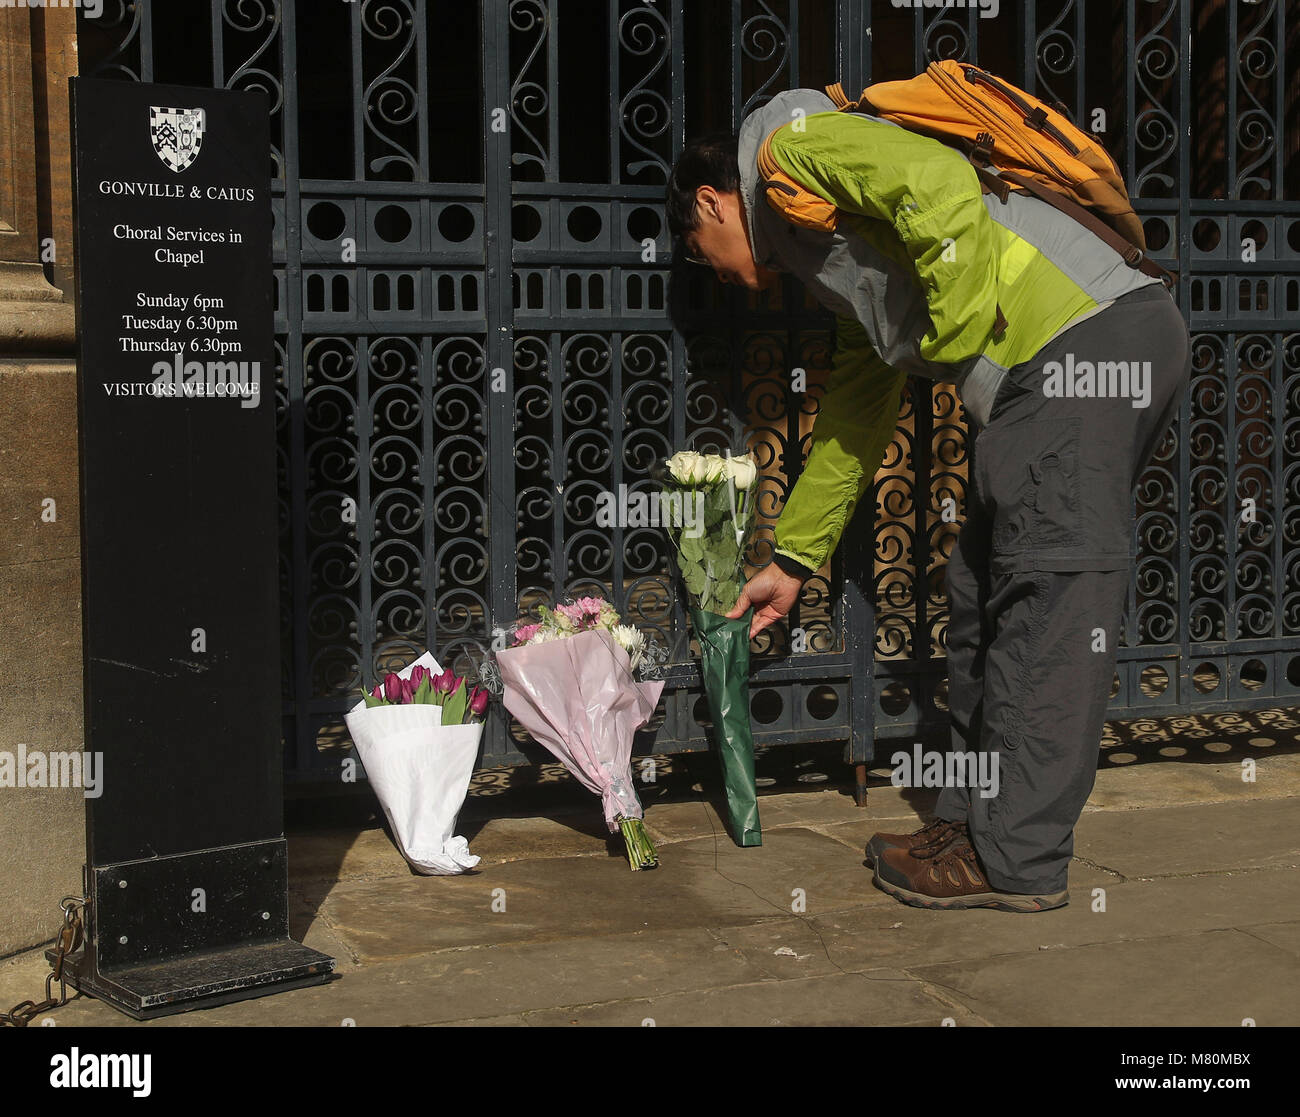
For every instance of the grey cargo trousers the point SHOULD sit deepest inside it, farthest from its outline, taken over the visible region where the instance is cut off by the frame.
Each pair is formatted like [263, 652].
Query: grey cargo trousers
[1038, 580]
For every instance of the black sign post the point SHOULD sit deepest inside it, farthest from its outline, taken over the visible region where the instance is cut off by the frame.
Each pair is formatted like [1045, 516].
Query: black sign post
[186, 875]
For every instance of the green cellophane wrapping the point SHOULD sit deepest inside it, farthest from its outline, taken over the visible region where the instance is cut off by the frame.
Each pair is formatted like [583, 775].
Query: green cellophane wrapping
[724, 666]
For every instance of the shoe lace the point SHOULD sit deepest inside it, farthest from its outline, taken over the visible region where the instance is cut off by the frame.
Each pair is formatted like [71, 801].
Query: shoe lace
[939, 830]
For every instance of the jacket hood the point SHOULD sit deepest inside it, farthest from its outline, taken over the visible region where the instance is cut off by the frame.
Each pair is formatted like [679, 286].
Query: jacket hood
[779, 110]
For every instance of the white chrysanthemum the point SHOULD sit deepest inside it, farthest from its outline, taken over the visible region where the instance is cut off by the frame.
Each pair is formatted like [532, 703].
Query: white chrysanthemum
[631, 640]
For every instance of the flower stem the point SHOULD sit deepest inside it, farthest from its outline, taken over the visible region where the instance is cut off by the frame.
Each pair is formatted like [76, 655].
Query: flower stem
[640, 852]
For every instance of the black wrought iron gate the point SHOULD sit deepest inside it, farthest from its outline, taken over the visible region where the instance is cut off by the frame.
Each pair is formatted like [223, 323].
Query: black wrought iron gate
[473, 296]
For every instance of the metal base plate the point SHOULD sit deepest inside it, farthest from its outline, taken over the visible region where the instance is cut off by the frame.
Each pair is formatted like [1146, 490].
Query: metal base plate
[202, 979]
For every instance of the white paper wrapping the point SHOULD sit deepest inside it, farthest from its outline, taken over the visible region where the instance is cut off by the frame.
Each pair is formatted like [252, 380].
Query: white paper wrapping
[420, 770]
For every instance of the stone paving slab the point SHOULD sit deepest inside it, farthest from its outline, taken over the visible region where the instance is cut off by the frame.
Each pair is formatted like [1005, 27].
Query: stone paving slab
[673, 822]
[1285, 935]
[878, 997]
[1214, 978]
[1203, 925]
[1169, 782]
[910, 937]
[1188, 839]
[472, 984]
[701, 883]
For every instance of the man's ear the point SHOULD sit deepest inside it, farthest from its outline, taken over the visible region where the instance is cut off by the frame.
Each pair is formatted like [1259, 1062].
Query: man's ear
[709, 204]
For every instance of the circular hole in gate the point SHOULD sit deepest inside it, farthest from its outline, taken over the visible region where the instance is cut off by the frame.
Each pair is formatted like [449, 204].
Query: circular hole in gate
[643, 223]
[700, 712]
[525, 223]
[941, 694]
[326, 221]
[1155, 680]
[1254, 674]
[1156, 231]
[584, 224]
[1293, 236]
[392, 224]
[1205, 678]
[1256, 231]
[1114, 685]
[1206, 234]
[766, 706]
[822, 702]
[456, 224]
[895, 699]
[1293, 670]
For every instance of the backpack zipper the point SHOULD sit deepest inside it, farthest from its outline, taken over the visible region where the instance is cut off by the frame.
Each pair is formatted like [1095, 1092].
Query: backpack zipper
[1029, 156]
[975, 75]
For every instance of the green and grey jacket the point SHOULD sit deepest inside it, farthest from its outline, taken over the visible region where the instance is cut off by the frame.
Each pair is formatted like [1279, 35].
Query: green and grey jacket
[915, 272]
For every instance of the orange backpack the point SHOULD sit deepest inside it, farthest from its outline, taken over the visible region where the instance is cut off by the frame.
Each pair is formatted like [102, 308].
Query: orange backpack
[997, 126]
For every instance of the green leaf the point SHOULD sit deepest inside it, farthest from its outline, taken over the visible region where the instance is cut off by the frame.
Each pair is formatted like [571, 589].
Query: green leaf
[371, 700]
[695, 579]
[424, 692]
[692, 547]
[719, 503]
[725, 549]
[453, 709]
[725, 595]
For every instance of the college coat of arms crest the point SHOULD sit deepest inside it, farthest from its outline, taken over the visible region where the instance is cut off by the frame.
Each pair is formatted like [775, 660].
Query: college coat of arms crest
[177, 135]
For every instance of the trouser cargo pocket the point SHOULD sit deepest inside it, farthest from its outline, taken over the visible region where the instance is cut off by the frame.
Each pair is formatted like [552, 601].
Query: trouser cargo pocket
[1053, 506]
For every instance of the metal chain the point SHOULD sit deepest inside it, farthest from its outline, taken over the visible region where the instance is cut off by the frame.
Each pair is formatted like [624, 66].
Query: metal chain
[70, 936]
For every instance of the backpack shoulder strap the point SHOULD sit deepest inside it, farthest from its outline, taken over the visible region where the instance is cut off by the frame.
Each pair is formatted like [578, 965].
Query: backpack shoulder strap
[1133, 256]
[837, 95]
[791, 199]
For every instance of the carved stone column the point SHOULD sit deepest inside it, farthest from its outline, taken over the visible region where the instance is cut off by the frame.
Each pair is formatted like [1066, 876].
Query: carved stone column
[42, 829]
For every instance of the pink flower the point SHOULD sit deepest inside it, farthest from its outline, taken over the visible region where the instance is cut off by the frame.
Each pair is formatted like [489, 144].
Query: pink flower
[478, 702]
[443, 684]
[589, 611]
[408, 691]
[378, 692]
[393, 688]
[418, 674]
[524, 633]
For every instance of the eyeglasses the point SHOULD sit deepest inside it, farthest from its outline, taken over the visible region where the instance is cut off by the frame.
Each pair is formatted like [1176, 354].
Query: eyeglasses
[689, 257]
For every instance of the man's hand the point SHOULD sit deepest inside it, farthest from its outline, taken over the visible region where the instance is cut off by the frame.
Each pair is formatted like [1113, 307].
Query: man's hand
[773, 592]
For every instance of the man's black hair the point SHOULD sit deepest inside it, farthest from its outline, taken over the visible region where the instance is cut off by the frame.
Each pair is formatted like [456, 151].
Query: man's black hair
[707, 161]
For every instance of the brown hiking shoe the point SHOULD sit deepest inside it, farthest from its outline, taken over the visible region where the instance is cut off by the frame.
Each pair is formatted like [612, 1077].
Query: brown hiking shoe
[933, 835]
[952, 878]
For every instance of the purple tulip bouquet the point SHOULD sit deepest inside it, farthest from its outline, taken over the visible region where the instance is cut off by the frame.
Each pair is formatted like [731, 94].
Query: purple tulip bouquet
[417, 734]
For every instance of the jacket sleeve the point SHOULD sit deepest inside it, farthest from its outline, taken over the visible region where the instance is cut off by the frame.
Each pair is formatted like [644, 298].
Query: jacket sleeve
[852, 431]
[929, 195]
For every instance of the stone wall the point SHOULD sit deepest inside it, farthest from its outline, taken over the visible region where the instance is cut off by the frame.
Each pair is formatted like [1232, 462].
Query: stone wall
[42, 830]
